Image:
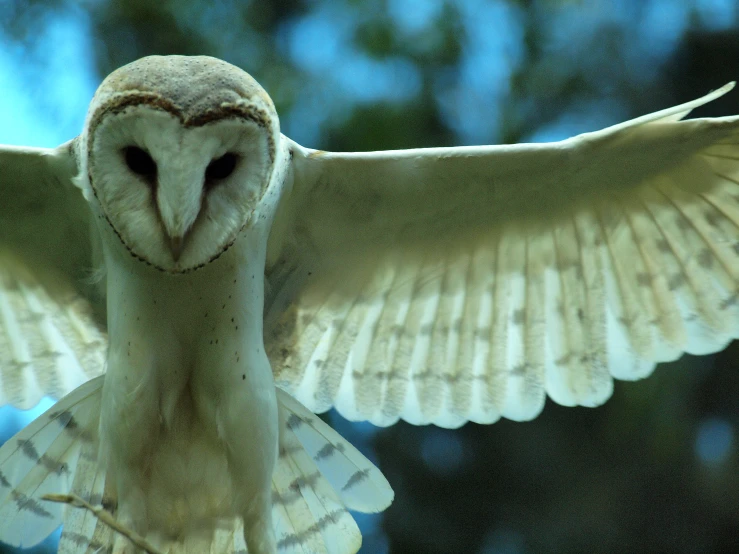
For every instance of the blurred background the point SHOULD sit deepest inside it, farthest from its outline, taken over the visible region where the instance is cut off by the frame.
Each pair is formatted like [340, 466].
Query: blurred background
[654, 470]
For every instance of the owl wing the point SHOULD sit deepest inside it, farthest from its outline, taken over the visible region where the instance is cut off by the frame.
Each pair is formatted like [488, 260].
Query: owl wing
[451, 284]
[50, 339]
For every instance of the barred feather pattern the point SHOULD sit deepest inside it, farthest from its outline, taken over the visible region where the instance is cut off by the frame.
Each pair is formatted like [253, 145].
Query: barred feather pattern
[49, 341]
[50, 455]
[487, 329]
[318, 478]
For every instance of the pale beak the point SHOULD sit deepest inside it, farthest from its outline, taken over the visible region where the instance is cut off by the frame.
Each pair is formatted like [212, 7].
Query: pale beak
[176, 245]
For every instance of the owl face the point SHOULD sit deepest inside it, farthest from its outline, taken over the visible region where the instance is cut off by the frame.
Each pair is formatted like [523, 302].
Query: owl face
[178, 174]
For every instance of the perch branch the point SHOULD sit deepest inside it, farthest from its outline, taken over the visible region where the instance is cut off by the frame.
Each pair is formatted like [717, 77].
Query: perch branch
[104, 516]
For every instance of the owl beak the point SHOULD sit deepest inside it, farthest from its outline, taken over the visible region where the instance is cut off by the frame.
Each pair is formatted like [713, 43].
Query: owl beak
[176, 245]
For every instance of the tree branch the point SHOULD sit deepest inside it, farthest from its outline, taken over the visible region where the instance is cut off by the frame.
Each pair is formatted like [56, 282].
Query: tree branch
[106, 517]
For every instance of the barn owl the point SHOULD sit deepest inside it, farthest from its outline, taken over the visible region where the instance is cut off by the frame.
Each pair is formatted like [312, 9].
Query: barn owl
[245, 281]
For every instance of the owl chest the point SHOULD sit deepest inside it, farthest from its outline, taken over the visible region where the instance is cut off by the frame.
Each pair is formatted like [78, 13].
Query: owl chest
[173, 321]
[177, 334]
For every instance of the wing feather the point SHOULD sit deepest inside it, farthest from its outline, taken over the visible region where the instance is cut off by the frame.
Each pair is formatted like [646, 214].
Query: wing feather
[51, 339]
[455, 284]
[50, 342]
[82, 531]
[397, 355]
[358, 483]
[319, 476]
[43, 458]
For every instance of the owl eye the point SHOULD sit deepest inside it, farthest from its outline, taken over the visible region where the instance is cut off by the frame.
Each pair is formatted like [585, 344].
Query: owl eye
[220, 168]
[140, 162]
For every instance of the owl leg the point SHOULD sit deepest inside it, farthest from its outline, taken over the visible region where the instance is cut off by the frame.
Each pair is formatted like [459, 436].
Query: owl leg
[129, 428]
[132, 515]
[244, 417]
[252, 463]
[259, 532]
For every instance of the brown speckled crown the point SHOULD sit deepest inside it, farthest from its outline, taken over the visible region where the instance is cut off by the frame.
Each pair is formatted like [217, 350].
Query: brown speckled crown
[196, 89]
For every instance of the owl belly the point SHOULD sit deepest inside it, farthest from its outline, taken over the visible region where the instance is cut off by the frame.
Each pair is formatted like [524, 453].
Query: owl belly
[189, 486]
[191, 455]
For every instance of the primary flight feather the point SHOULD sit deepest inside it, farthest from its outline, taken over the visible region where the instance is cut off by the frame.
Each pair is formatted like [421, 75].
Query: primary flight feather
[437, 286]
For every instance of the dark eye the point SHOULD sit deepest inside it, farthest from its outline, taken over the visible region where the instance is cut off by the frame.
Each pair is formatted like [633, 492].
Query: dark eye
[220, 168]
[140, 162]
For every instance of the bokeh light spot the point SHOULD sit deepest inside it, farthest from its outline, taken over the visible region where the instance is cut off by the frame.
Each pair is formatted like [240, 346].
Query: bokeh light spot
[714, 441]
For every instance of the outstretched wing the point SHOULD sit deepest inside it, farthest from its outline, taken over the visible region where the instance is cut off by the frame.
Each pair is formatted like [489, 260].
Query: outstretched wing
[452, 284]
[50, 340]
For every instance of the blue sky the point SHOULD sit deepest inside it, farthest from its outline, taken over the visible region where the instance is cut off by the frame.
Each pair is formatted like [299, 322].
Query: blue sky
[46, 89]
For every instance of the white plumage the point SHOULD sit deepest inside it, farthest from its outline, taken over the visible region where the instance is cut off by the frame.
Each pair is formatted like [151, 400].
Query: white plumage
[552, 269]
[437, 286]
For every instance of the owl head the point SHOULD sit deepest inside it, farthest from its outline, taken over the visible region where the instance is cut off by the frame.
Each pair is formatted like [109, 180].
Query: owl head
[178, 153]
